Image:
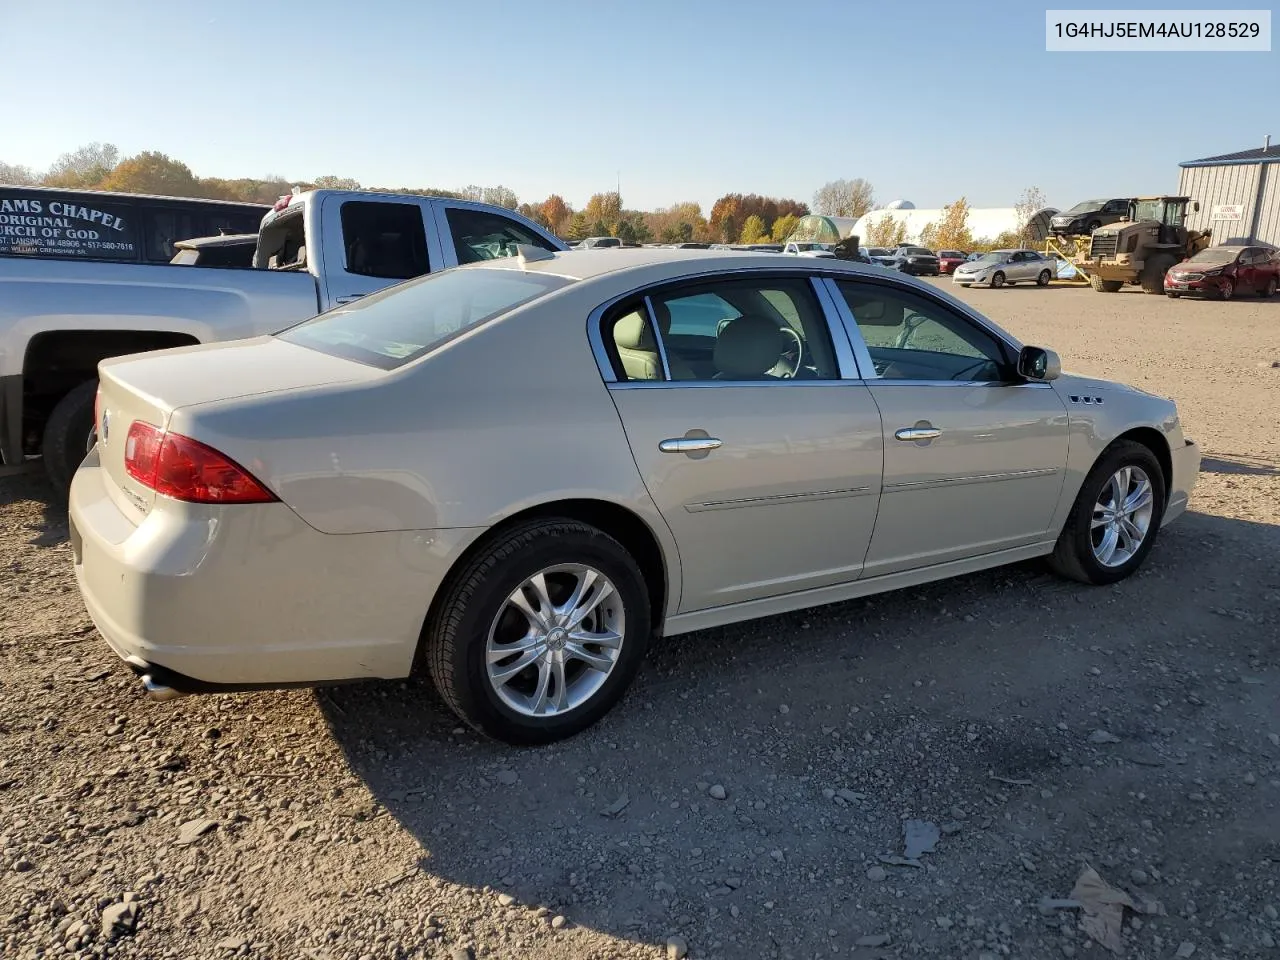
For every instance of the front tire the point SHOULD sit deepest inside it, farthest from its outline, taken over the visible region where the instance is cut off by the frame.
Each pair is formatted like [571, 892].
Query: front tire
[1227, 290]
[997, 279]
[1105, 286]
[541, 633]
[1153, 271]
[1116, 517]
[66, 435]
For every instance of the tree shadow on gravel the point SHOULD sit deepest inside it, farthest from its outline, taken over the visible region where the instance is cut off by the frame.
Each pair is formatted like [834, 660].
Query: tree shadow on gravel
[938, 702]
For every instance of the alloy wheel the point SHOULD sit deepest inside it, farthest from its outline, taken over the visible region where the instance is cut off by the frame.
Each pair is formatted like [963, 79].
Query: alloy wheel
[1122, 516]
[555, 640]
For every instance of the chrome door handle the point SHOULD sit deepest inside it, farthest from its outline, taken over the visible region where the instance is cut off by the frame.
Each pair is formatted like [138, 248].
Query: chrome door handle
[918, 433]
[349, 298]
[688, 444]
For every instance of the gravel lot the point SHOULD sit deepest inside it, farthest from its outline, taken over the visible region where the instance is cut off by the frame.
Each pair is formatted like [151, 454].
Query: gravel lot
[740, 801]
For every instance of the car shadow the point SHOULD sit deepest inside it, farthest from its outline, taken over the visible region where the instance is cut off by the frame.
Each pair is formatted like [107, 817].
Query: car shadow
[1251, 466]
[28, 482]
[617, 829]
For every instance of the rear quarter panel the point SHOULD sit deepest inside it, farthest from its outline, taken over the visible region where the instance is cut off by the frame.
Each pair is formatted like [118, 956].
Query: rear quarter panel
[39, 296]
[513, 415]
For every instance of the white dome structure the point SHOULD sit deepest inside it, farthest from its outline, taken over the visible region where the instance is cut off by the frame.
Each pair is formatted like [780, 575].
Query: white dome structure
[984, 223]
[899, 205]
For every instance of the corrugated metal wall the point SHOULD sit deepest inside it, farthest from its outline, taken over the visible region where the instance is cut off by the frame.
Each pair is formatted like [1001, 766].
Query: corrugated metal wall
[1269, 209]
[1210, 186]
[1237, 183]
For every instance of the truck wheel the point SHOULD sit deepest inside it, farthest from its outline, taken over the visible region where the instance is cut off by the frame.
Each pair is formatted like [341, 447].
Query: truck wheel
[1270, 290]
[1105, 286]
[1173, 296]
[66, 435]
[1152, 278]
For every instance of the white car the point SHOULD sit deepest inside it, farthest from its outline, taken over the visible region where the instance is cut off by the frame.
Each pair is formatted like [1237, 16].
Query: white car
[1001, 268]
[512, 475]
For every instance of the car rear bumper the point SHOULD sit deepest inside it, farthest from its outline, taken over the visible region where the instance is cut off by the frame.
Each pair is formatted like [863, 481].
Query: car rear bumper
[244, 596]
[1186, 469]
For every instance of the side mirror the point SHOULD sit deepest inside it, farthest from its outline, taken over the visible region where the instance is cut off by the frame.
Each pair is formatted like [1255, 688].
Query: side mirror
[1039, 364]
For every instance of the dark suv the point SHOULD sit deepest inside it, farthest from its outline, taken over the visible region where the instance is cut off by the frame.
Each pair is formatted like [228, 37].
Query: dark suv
[1084, 218]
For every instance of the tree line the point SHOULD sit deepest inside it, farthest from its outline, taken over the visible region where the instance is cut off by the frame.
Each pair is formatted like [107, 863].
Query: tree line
[733, 218]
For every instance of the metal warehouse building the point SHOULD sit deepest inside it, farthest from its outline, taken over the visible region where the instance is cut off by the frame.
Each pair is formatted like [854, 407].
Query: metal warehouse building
[1238, 193]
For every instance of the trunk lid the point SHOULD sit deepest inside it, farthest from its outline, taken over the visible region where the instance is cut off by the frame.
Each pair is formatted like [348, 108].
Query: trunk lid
[150, 386]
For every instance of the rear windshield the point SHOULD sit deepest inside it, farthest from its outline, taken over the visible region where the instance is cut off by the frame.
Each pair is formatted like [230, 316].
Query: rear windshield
[399, 324]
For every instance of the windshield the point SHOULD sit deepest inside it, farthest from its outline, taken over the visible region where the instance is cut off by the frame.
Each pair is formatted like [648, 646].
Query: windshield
[1149, 210]
[1216, 255]
[401, 323]
[918, 252]
[993, 257]
[1087, 206]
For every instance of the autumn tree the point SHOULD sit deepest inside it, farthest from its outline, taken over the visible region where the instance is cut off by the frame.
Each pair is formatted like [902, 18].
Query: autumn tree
[783, 227]
[17, 174]
[605, 209]
[844, 198]
[1029, 204]
[886, 231]
[677, 223]
[579, 227]
[82, 168]
[330, 182]
[152, 172]
[631, 228]
[556, 214]
[753, 230]
[952, 231]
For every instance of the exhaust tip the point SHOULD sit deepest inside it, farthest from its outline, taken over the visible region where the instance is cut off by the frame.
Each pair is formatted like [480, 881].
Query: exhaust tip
[158, 691]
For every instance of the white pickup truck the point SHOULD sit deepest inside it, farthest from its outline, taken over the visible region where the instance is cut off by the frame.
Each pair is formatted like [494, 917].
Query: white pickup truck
[315, 250]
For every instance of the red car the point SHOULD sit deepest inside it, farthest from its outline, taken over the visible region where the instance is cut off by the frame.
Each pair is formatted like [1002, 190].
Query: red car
[948, 260]
[1224, 271]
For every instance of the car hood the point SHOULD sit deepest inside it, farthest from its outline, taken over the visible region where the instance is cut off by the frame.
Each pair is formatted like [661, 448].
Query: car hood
[976, 266]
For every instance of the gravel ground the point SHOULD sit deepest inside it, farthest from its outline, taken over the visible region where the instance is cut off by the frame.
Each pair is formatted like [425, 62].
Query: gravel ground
[745, 798]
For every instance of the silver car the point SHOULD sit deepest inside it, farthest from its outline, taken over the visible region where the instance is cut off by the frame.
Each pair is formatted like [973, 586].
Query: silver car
[1001, 268]
[513, 475]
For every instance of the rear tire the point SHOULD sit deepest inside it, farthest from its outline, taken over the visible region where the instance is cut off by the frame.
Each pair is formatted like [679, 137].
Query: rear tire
[1043, 279]
[1091, 226]
[1270, 289]
[1153, 271]
[1076, 555]
[478, 611]
[1105, 286]
[66, 435]
[997, 279]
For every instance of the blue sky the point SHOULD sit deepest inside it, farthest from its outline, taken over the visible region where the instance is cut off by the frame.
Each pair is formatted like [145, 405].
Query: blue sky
[685, 100]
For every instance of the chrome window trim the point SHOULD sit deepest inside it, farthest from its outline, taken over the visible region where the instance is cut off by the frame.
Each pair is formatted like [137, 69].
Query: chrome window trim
[595, 336]
[862, 356]
[657, 337]
[847, 365]
[827, 274]
[716, 384]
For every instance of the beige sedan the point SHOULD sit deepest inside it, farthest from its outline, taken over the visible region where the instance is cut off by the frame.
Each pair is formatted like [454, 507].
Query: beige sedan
[513, 475]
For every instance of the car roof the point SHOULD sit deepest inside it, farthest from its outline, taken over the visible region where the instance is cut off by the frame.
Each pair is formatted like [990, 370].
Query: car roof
[587, 264]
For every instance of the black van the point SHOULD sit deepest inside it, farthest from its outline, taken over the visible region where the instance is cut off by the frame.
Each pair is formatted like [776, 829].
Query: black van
[48, 222]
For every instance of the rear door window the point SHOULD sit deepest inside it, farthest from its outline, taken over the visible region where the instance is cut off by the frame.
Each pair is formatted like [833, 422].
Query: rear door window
[57, 225]
[386, 240]
[484, 235]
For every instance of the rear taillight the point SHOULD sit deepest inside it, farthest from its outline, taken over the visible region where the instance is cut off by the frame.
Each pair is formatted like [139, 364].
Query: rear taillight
[97, 411]
[185, 469]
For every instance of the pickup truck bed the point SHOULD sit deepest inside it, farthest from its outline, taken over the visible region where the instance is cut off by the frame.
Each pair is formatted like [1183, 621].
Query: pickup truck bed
[59, 318]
